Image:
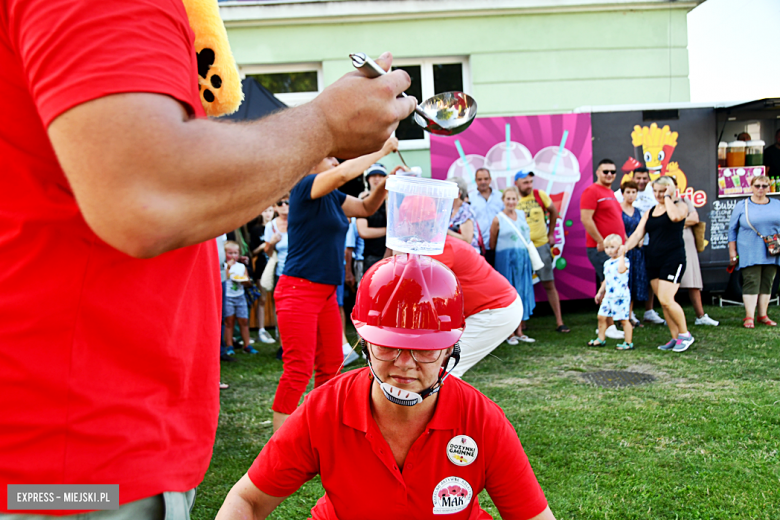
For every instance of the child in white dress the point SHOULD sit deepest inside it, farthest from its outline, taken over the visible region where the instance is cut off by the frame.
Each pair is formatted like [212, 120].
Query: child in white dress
[614, 295]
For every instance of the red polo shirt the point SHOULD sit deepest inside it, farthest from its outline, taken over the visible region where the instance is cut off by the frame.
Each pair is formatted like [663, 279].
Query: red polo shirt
[108, 364]
[607, 213]
[483, 287]
[333, 434]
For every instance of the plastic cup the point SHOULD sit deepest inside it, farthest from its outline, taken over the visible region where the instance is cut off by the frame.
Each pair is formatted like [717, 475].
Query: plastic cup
[504, 162]
[418, 213]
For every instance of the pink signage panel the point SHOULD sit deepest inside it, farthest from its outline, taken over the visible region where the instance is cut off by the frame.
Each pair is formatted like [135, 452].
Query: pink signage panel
[557, 148]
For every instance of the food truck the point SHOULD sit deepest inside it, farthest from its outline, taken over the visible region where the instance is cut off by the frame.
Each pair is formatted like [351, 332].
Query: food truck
[712, 149]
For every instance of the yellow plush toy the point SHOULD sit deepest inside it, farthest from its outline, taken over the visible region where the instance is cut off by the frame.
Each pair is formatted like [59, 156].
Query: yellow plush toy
[220, 84]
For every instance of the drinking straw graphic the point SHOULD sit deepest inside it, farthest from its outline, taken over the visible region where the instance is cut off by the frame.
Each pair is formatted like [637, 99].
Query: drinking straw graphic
[508, 144]
[557, 159]
[465, 161]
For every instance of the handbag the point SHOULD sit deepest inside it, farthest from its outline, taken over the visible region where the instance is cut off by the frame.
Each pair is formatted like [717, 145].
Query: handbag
[268, 278]
[772, 242]
[536, 260]
[699, 229]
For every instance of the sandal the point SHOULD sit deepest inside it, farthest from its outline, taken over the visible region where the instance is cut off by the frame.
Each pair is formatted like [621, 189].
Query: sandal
[562, 328]
[625, 346]
[597, 343]
[764, 320]
[748, 323]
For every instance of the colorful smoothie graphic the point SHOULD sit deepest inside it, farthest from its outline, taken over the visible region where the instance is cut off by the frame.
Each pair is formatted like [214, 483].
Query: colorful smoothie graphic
[556, 172]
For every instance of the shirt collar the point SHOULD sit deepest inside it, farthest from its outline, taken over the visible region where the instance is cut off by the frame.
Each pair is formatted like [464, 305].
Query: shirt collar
[357, 408]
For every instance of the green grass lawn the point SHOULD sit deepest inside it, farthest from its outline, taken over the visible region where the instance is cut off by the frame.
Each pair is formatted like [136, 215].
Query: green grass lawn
[701, 442]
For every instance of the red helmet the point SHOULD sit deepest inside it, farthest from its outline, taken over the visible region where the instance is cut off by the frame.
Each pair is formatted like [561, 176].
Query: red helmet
[410, 302]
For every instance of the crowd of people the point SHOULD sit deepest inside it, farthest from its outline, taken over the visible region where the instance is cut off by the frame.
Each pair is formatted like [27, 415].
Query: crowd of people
[122, 181]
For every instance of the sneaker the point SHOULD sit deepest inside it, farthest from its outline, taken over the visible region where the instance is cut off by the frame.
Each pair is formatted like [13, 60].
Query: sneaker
[652, 317]
[279, 354]
[669, 346]
[263, 335]
[349, 358]
[633, 317]
[683, 342]
[513, 340]
[526, 339]
[226, 358]
[614, 333]
[230, 351]
[251, 341]
[706, 320]
[250, 350]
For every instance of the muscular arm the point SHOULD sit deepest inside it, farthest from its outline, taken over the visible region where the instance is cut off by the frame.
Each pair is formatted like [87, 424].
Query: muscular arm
[246, 502]
[367, 232]
[586, 216]
[149, 179]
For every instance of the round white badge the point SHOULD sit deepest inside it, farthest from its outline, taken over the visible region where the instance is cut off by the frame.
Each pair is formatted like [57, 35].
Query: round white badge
[462, 450]
[451, 495]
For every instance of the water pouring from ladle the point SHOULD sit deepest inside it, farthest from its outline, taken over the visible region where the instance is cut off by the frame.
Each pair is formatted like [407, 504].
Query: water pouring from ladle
[445, 114]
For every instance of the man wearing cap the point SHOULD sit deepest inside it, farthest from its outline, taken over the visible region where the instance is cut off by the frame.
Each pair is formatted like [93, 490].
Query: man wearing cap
[374, 228]
[535, 204]
[485, 204]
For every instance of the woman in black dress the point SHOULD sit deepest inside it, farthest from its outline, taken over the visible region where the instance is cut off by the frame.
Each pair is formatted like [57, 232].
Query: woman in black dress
[665, 257]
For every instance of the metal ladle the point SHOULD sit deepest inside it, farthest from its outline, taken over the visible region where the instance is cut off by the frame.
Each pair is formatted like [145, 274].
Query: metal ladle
[445, 114]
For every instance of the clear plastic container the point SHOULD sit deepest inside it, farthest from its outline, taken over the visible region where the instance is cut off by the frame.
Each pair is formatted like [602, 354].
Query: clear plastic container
[722, 149]
[735, 156]
[754, 153]
[418, 213]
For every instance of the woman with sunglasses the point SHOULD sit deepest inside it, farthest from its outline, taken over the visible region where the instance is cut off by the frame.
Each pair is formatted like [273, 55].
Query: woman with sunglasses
[748, 250]
[399, 438]
[665, 257]
[307, 310]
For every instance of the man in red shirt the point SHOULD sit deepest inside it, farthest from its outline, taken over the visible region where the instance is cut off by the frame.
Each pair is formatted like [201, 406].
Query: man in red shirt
[113, 186]
[400, 438]
[493, 308]
[602, 216]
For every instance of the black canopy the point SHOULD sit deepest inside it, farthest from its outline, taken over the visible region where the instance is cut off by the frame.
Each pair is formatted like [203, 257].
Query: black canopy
[258, 102]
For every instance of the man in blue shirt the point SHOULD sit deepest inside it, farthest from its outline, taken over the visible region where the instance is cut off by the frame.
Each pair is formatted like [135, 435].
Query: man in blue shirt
[486, 204]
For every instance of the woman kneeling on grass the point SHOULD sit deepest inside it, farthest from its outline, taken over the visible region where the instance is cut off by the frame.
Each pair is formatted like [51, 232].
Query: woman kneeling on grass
[665, 257]
[614, 295]
[392, 441]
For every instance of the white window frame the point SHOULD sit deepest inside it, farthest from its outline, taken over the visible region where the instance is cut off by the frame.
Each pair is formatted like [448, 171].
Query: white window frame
[291, 99]
[426, 73]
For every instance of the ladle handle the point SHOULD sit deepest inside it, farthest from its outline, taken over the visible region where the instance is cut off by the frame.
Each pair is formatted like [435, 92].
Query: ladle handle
[371, 69]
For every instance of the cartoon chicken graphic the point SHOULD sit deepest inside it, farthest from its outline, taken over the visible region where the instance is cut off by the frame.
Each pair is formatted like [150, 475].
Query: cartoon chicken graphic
[658, 145]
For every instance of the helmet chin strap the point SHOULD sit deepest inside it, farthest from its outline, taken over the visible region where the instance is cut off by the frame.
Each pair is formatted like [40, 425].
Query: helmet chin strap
[406, 397]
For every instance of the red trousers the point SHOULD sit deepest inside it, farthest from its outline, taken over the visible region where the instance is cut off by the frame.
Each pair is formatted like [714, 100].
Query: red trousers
[310, 327]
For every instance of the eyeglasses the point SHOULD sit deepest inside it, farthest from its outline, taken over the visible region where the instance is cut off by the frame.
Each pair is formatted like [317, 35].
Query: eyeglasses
[761, 186]
[391, 354]
[609, 172]
[285, 202]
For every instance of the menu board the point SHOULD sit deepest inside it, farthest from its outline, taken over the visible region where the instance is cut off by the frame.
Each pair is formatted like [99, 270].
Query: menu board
[720, 215]
[735, 181]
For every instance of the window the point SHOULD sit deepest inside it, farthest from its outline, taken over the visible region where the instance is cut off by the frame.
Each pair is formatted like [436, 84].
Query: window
[429, 76]
[293, 84]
